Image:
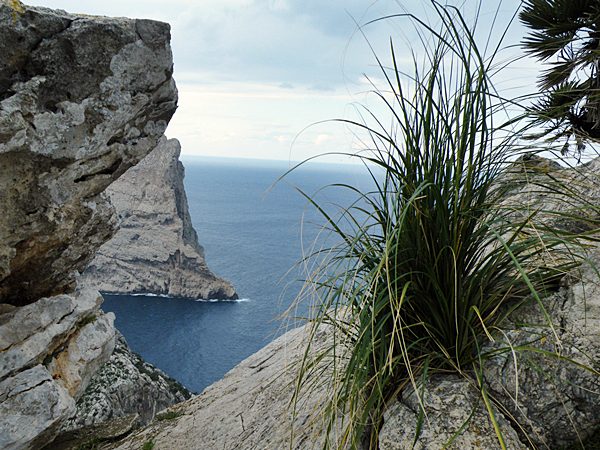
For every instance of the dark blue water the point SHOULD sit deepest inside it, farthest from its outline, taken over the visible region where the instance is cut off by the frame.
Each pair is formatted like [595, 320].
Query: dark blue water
[253, 236]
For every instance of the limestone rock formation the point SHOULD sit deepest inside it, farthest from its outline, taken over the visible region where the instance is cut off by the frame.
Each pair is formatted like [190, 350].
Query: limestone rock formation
[125, 385]
[455, 419]
[156, 248]
[82, 99]
[248, 408]
[556, 402]
[49, 350]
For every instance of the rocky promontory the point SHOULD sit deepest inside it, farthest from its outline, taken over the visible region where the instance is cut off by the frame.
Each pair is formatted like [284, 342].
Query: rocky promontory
[156, 248]
[82, 99]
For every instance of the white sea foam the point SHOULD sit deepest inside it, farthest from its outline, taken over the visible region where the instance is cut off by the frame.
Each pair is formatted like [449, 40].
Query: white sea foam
[204, 300]
[214, 300]
[147, 295]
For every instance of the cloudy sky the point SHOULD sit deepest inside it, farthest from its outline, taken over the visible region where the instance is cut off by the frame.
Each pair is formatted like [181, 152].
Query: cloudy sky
[254, 74]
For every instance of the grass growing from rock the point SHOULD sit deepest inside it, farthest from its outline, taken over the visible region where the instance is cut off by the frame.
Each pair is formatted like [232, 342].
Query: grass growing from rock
[433, 261]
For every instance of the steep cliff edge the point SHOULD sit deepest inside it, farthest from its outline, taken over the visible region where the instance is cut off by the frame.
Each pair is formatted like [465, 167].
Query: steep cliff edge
[82, 99]
[156, 248]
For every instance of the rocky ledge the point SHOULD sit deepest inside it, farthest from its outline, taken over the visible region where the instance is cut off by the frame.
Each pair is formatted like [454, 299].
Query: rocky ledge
[156, 248]
[82, 99]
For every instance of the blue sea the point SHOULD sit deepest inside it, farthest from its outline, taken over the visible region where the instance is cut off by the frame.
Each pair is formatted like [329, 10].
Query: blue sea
[253, 233]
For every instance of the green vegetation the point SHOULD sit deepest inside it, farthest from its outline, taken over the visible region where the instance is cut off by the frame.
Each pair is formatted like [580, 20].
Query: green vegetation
[148, 445]
[432, 263]
[567, 34]
[87, 320]
[169, 415]
[92, 444]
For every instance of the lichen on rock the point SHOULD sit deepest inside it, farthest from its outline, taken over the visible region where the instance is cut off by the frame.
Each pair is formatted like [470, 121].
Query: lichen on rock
[82, 99]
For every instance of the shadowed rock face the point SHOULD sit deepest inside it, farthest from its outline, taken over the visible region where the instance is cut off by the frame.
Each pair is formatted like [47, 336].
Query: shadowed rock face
[82, 99]
[156, 249]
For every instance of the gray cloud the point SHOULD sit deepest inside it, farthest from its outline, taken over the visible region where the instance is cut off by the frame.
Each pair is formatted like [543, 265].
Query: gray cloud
[302, 43]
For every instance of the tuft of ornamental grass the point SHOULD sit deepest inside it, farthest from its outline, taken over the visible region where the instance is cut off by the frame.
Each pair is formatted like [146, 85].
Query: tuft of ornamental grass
[431, 262]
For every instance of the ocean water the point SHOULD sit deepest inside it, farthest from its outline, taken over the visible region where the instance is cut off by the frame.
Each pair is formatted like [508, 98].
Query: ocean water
[253, 234]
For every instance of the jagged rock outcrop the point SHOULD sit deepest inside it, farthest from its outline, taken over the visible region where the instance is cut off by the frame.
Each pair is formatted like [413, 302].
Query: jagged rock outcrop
[125, 385]
[82, 99]
[156, 248]
[49, 351]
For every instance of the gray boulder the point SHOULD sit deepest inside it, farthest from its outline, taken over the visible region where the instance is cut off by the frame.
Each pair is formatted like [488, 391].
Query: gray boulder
[455, 418]
[49, 352]
[32, 406]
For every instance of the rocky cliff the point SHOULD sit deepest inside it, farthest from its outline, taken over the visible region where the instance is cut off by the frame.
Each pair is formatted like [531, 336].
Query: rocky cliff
[82, 99]
[125, 385]
[156, 248]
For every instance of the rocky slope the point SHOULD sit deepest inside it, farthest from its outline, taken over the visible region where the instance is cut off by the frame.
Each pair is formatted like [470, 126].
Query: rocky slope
[156, 248]
[82, 99]
[125, 385]
[539, 402]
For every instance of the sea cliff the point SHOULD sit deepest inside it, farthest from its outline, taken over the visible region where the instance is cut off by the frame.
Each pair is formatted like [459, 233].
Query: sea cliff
[156, 248]
[82, 99]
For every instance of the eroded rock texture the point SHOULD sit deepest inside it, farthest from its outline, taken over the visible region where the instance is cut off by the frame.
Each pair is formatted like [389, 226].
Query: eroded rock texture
[49, 351]
[156, 248]
[455, 418]
[82, 99]
[125, 385]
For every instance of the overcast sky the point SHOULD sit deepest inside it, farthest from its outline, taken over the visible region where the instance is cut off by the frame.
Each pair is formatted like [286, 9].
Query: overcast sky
[252, 74]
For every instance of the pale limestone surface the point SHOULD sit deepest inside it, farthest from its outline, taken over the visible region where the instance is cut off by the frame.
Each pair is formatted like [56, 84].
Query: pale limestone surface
[49, 351]
[32, 406]
[455, 419]
[82, 99]
[156, 248]
[247, 409]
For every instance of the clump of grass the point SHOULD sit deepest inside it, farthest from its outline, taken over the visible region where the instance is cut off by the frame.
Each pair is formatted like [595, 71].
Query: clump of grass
[87, 320]
[434, 260]
[169, 415]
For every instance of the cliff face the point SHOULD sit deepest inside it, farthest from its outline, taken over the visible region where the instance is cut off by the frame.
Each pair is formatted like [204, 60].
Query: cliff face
[156, 248]
[82, 99]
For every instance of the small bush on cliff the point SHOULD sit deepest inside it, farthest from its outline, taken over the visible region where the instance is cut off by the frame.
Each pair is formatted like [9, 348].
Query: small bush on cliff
[433, 260]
